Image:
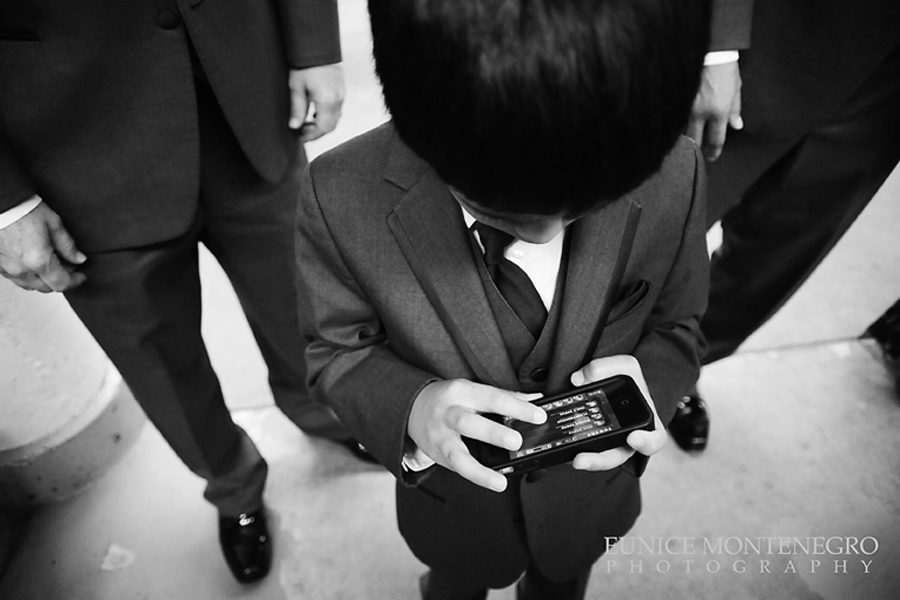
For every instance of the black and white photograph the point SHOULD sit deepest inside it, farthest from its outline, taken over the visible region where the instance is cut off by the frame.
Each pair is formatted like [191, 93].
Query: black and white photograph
[449, 299]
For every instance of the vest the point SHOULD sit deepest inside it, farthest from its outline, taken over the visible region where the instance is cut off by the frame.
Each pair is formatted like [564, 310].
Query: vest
[530, 358]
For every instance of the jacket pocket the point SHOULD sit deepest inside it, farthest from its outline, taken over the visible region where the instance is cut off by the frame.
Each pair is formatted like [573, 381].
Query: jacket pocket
[629, 300]
[626, 320]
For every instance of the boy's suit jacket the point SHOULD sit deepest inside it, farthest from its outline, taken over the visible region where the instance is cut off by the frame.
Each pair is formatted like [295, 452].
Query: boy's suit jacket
[377, 228]
[98, 113]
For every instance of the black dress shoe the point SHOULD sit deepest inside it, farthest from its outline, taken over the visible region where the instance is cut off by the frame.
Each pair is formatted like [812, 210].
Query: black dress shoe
[690, 425]
[247, 545]
[886, 333]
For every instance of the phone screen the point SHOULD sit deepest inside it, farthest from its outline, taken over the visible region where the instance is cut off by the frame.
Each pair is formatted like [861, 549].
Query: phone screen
[569, 420]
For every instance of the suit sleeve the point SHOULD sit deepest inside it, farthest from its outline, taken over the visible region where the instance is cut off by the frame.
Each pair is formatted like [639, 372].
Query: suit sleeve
[15, 185]
[672, 345]
[310, 31]
[350, 364]
[731, 24]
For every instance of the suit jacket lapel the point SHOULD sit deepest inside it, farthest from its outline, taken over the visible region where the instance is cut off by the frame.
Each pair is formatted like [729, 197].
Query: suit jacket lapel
[430, 230]
[596, 245]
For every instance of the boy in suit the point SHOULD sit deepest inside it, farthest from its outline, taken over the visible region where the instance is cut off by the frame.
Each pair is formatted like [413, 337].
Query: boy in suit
[529, 121]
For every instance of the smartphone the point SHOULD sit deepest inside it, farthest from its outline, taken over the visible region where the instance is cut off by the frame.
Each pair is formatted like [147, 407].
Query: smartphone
[592, 418]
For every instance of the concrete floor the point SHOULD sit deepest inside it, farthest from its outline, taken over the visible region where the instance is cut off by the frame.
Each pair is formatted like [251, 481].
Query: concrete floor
[804, 445]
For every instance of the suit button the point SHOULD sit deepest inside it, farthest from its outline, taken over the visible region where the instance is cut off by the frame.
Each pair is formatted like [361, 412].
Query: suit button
[536, 476]
[540, 374]
[168, 20]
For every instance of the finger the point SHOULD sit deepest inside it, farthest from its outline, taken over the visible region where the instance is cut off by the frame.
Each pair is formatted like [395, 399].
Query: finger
[648, 443]
[64, 244]
[602, 461]
[609, 366]
[460, 461]
[76, 278]
[527, 397]
[734, 119]
[475, 426]
[299, 110]
[312, 130]
[491, 400]
[716, 130]
[57, 277]
[31, 281]
[695, 129]
[309, 132]
[326, 116]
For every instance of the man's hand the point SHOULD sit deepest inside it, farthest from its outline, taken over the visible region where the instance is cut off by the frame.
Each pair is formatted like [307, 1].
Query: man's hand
[445, 410]
[645, 442]
[321, 88]
[31, 249]
[717, 105]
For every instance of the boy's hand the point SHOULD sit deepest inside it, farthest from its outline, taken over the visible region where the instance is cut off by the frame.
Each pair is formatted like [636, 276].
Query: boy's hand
[645, 442]
[445, 410]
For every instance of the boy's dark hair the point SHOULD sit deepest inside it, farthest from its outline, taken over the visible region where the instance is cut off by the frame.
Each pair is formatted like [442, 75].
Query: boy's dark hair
[540, 106]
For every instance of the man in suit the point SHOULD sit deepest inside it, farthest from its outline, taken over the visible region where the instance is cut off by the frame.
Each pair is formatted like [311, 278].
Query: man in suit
[495, 126]
[129, 131]
[813, 106]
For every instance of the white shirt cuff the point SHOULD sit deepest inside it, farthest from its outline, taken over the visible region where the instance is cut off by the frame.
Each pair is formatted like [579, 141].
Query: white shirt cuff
[417, 461]
[720, 57]
[17, 212]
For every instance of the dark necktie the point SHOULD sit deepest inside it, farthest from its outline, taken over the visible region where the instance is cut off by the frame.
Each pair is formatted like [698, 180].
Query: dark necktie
[514, 285]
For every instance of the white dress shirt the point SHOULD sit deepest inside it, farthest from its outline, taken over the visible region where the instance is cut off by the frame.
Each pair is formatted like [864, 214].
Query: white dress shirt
[8, 217]
[539, 261]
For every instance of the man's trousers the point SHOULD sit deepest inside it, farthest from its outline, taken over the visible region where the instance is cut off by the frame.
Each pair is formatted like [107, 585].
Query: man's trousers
[787, 203]
[143, 307]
